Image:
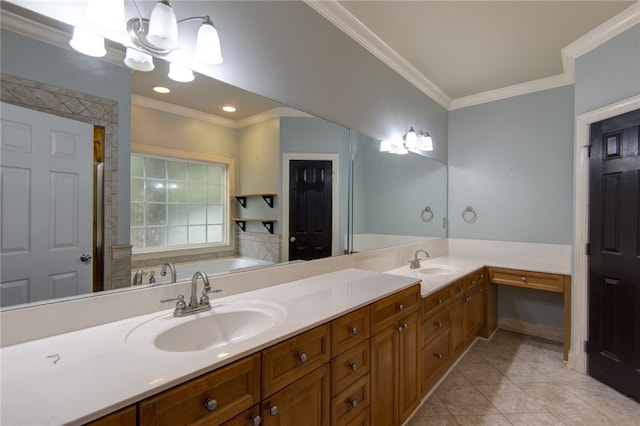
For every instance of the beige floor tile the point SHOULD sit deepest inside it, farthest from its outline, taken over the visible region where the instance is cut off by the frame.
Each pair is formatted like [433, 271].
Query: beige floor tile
[483, 420]
[521, 372]
[482, 374]
[554, 396]
[432, 407]
[453, 379]
[534, 419]
[558, 371]
[589, 417]
[465, 400]
[432, 421]
[509, 398]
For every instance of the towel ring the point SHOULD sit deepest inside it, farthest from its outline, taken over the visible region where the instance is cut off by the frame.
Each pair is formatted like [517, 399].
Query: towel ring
[469, 215]
[425, 217]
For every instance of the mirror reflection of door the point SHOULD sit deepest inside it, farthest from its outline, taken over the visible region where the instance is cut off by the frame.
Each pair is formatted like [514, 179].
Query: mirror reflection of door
[310, 195]
[614, 265]
[47, 206]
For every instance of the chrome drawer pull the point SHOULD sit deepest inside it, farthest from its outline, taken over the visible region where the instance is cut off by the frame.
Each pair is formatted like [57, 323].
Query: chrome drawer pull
[439, 301]
[256, 420]
[468, 298]
[353, 403]
[353, 366]
[272, 410]
[401, 307]
[439, 356]
[211, 404]
[439, 324]
[353, 330]
[523, 279]
[302, 357]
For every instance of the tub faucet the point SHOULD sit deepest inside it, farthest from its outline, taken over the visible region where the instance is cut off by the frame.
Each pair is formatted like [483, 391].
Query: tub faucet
[172, 269]
[137, 277]
[415, 263]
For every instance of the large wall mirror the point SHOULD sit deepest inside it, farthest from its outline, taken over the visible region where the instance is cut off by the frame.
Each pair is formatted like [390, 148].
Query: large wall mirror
[377, 200]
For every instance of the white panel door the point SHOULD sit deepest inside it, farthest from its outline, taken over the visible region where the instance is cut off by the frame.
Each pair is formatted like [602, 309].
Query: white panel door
[46, 184]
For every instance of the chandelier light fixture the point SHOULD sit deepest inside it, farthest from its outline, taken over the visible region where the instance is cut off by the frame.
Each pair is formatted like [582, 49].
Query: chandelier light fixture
[413, 141]
[156, 36]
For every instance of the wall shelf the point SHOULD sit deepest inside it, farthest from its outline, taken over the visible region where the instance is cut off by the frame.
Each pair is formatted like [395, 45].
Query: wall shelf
[242, 223]
[242, 199]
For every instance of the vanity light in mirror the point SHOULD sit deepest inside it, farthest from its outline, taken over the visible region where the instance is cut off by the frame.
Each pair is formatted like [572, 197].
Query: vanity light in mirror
[138, 60]
[88, 43]
[158, 35]
[161, 89]
[180, 73]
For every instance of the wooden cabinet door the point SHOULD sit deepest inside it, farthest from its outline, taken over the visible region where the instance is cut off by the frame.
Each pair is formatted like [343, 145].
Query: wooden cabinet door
[384, 362]
[305, 402]
[409, 340]
[478, 302]
[457, 321]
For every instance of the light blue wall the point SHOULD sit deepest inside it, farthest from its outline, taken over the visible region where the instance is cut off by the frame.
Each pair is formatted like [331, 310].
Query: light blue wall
[512, 161]
[391, 191]
[609, 73]
[68, 69]
[314, 135]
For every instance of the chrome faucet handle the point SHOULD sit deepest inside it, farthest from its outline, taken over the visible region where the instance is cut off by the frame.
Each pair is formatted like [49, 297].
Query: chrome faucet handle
[180, 306]
[204, 299]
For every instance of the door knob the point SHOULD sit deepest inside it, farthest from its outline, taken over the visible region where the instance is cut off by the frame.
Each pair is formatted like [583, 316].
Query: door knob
[292, 239]
[85, 258]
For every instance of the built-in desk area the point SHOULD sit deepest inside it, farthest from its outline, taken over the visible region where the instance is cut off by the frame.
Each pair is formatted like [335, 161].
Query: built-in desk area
[556, 283]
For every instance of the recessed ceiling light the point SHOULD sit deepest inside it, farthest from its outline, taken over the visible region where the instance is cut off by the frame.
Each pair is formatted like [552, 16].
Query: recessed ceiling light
[161, 89]
[229, 108]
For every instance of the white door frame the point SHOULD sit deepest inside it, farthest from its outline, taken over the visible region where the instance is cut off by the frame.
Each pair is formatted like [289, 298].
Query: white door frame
[579, 302]
[287, 157]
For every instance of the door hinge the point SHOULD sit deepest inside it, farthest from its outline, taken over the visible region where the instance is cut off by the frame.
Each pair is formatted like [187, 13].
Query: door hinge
[586, 346]
[587, 249]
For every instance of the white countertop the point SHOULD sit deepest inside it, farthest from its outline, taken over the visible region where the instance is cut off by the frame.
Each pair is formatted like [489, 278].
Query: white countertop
[468, 264]
[98, 372]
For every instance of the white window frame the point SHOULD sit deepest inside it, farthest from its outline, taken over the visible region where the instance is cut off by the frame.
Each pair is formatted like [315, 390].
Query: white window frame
[169, 153]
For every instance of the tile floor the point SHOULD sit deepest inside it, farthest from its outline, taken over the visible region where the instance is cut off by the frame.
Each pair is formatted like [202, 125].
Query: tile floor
[521, 380]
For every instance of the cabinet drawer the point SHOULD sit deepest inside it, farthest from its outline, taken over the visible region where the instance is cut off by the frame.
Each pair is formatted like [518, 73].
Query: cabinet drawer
[435, 301]
[349, 403]
[124, 417]
[286, 362]
[349, 330]
[435, 355]
[245, 419]
[235, 388]
[457, 288]
[473, 279]
[389, 310]
[435, 324]
[528, 279]
[349, 366]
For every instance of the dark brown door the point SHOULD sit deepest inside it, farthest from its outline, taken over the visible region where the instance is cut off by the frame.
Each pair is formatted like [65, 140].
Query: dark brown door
[614, 253]
[309, 209]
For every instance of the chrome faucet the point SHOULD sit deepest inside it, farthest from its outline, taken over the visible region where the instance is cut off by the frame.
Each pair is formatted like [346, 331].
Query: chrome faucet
[415, 263]
[172, 269]
[195, 305]
[137, 277]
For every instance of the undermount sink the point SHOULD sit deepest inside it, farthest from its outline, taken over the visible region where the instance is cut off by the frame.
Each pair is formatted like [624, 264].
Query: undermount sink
[225, 324]
[439, 270]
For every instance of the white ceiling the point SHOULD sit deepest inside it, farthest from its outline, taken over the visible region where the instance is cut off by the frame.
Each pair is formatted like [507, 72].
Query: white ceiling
[460, 50]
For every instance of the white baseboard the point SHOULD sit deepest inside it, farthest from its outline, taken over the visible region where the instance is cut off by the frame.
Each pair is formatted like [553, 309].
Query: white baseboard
[538, 330]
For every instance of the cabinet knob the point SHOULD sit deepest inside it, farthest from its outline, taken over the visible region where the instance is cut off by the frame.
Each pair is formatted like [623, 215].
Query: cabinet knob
[468, 298]
[272, 410]
[211, 404]
[439, 356]
[353, 366]
[401, 307]
[523, 279]
[353, 330]
[403, 327]
[439, 324]
[439, 301]
[302, 357]
[353, 403]
[480, 290]
[256, 420]
[460, 289]
[473, 282]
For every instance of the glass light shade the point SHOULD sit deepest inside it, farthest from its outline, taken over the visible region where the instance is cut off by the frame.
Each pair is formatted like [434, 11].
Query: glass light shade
[208, 49]
[138, 60]
[385, 146]
[163, 27]
[426, 143]
[411, 139]
[180, 73]
[106, 13]
[88, 43]
[397, 147]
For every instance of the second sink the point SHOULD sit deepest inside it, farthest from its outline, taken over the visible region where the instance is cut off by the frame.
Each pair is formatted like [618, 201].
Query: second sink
[439, 270]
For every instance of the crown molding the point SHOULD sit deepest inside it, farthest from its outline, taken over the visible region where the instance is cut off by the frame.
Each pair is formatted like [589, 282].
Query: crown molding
[170, 108]
[337, 14]
[354, 28]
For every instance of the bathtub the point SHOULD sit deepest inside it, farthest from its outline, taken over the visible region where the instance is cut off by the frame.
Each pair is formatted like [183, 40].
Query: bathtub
[213, 267]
